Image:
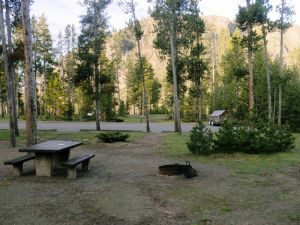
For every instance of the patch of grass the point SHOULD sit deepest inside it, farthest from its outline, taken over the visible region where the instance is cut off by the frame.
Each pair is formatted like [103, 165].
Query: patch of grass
[207, 202]
[86, 137]
[203, 221]
[158, 118]
[135, 136]
[294, 217]
[174, 145]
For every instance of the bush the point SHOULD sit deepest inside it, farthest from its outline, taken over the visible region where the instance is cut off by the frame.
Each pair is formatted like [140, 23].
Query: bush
[276, 138]
[201, 142]
[119, 119]
[110, 137]
[251, 138]
[226, 139]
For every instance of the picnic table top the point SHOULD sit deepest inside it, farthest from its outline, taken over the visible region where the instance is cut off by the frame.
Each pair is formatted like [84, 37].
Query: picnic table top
[51, 146]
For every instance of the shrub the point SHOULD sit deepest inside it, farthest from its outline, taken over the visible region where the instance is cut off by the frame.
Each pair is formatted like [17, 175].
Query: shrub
[201, 140]
[276, 138]
[110, 137]
[226, 139]
[119, 119]
[251, 138]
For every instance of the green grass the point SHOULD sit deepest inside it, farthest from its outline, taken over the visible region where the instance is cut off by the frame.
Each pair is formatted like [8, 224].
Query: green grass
[174, 145]
[158, 118]
[87, 137]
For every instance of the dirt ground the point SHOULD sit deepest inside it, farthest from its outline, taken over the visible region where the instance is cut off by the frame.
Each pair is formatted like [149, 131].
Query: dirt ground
[123, 188]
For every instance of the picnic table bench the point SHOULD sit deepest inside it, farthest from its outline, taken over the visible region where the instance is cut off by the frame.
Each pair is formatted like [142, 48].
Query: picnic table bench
[72, 163]
[17, 163]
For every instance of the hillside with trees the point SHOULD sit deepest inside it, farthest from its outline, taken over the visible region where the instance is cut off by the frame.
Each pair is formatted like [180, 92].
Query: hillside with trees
[219, 49]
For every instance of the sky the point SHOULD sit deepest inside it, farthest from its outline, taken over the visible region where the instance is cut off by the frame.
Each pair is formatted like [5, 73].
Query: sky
[60, 13]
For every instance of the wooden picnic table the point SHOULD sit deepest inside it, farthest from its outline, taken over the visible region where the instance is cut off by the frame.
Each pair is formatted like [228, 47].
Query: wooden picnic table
[50, 154]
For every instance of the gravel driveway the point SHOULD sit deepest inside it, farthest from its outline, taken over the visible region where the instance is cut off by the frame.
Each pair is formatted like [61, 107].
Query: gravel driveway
[123, 187]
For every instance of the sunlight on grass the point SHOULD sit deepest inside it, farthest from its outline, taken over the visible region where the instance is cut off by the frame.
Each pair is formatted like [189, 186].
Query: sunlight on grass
[174, 145]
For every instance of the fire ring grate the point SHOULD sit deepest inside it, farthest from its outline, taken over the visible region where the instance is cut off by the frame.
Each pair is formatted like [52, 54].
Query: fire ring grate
[178, 169]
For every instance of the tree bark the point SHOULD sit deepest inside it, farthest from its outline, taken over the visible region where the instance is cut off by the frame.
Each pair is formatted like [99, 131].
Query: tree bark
[174, 70]
[200, 79]
[35, 65]
[118, 86]
[7, 79]
[200, 102]
[1, 102]
[267, 74]
[236, 93]
[145, 109]
[44, 84]
[250, 69]
[11, 68]
[214, 60]
[30, 98]
[274, 103]
[145, 100]
[96, 72]
[97, 93]
[281, 66]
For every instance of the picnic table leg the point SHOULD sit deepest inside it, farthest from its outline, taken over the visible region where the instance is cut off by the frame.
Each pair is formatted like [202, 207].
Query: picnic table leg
[43, 165]
[71, 173]
[85, 165]
[60, 158]
[18, 169]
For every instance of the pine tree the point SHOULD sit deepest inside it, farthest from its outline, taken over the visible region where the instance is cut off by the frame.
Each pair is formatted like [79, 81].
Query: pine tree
[130, 6]
[246, 19]
[43, 55]
[235, 69]
[8, 79]
[91, 44]
[117, 58]
[284, 23]
[196, 65]
[30, 99]
[169, 18]
[267, 26]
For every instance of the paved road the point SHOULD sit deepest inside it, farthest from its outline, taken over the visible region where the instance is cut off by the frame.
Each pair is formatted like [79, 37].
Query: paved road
[77, 126]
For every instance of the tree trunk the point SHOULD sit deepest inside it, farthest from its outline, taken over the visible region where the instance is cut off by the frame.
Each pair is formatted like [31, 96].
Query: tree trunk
[7, 79]
[274, 103]
[97, 97]
[11, 68]
[1, 102]
[214, 60]
[281, 66]
[96, 72]
[44, 84]
[118, 86]
[268, 75]
[200, 102]
[30, 98]
[145, 100]
[35, 65]
[174, 70]
[236, 93]
[250, 69]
